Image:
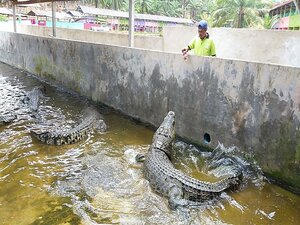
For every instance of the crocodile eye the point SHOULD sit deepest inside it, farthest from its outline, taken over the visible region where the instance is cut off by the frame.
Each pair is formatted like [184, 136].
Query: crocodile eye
[171, 113]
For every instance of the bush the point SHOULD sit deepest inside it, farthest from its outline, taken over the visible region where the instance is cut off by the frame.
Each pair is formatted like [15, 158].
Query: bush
[3, 18]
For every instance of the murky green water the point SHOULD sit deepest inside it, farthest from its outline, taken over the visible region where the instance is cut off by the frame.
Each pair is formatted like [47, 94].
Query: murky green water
[97, 181]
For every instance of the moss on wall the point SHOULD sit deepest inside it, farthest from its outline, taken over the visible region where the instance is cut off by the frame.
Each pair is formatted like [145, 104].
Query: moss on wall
[78, 76]
[291, 182]
[297, 156]
[282, 159]
[44, 68]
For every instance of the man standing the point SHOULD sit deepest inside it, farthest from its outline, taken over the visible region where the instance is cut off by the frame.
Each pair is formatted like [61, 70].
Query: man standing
[201, 44]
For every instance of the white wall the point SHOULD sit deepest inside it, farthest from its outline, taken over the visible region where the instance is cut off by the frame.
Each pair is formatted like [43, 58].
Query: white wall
[267, 46]
[111, 38]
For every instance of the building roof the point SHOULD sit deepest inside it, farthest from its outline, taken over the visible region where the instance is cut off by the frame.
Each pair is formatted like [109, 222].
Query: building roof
[6, 11]
[103, 12]
[163, 18]
[58, 15]
[18, 2]
[75, 13]
[35, 5]
[37, 13]
[278, 5]
[61, 15]
[121, 14]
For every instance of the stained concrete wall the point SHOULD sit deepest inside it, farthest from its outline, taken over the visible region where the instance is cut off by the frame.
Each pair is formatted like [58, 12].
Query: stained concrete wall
[266, 46]
[253, 106]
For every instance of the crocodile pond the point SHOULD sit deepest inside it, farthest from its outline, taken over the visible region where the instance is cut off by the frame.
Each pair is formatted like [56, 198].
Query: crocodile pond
[97, 180]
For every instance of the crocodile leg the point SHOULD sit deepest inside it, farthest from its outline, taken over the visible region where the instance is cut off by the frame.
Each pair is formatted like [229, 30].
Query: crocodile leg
[176, 197]
[178, 203]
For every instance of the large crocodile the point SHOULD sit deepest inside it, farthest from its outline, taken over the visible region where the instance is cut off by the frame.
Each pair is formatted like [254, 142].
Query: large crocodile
[32, 98]
[164, 178]
[7, 118]
[91, 120]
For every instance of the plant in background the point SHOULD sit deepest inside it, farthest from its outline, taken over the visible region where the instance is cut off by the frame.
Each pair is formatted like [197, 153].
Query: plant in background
[269, 22]
[194, 7]
[208, 17]
[219, 13]
[242, 13]
[3, 18]
[142, 6]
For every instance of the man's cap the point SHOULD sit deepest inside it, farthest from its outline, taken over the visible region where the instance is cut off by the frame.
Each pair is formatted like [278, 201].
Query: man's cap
[202, 25]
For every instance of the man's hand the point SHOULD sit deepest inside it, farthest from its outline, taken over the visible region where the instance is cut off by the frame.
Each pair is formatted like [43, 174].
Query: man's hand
[184, 53]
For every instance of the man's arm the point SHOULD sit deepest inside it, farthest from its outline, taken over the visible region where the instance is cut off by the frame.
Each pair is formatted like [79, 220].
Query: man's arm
[213, 49]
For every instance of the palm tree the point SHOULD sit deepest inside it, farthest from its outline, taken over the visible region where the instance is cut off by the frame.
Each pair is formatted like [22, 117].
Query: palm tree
[208, 17]
[142, 6]
[155, 7]
[194, 7]
[102, 3]
[269, 22]
[116, 4]
[241, 13]
[172, 8]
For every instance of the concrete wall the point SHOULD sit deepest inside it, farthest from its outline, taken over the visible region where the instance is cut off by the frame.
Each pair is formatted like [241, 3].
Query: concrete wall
[267, 46]
[253, 106]
[112, 38]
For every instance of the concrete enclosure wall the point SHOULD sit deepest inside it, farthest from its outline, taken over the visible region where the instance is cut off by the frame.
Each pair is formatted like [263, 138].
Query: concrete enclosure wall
[111, 38]
[253, 106]
[266, 46]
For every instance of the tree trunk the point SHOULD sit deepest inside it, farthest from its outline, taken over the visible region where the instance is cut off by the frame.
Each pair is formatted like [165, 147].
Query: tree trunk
[183, 8]
[240, 18]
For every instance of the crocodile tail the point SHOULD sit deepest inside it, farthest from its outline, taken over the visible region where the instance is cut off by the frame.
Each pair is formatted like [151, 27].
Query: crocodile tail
[225, 183]
[42, 136]
[216, 187]
[48, 137]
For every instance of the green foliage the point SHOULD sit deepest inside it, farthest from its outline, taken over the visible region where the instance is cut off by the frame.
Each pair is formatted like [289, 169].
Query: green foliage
[240, 13]
[194, 7]
[3, 18]
[269, 22]
[143, 6]
[219, 13]
[108, 4]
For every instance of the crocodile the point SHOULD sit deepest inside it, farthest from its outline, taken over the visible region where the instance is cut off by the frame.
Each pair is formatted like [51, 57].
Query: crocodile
[180, 189]
[32, 98]
[7, 118]
[91, 120]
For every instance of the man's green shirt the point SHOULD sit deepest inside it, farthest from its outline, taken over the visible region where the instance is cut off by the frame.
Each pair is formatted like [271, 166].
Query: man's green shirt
[205, 47]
